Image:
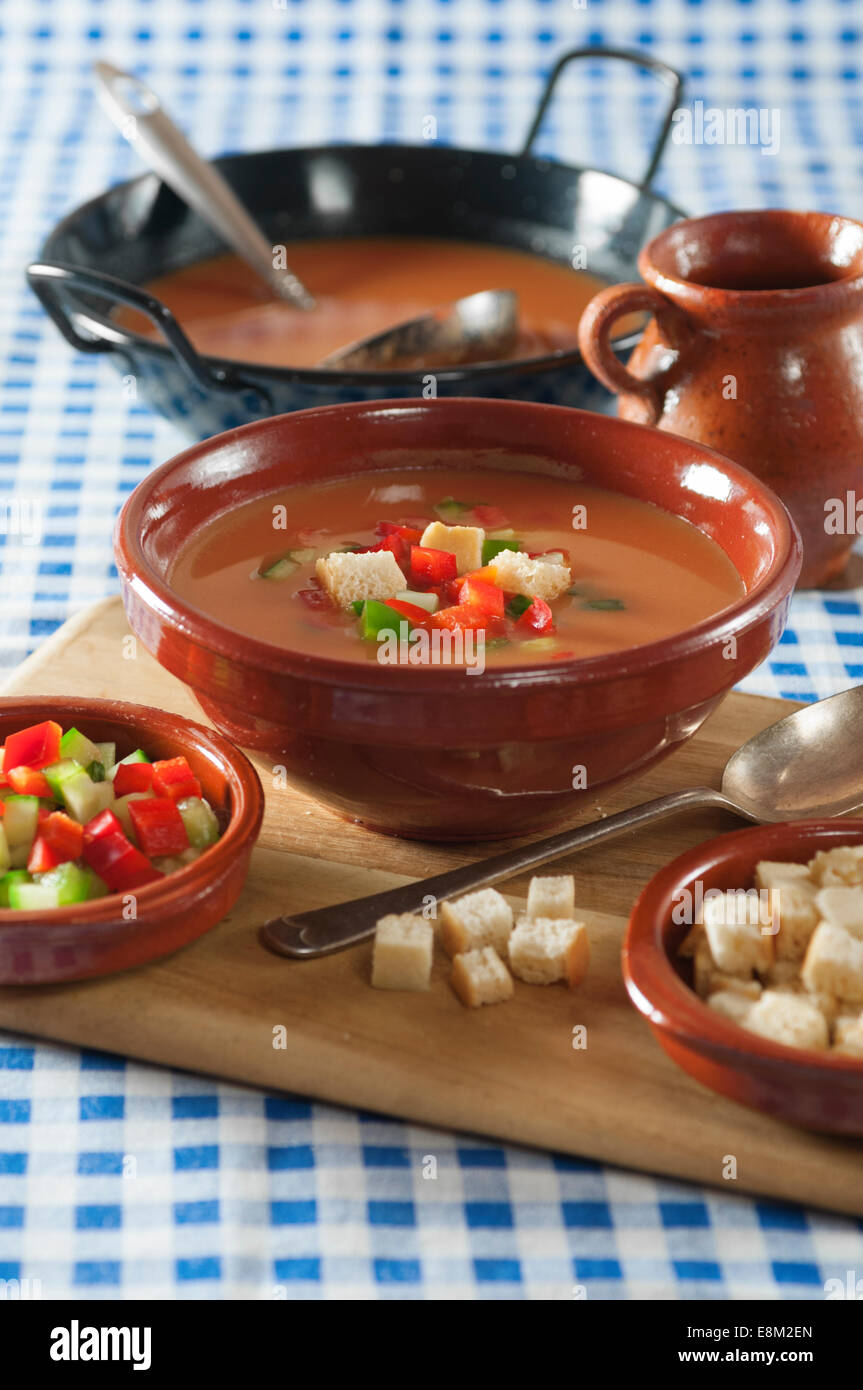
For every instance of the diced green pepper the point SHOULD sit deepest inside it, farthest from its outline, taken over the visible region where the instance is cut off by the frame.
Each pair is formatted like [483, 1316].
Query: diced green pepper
[358, 605]
[491, 548]
[517, 606]
[200, 821]
[8, 880]
[79, 748]
[450, 509]
[378, 617]
[606, 605]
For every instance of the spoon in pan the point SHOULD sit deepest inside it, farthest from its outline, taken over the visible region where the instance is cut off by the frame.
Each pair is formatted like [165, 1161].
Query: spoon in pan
[478, 328]
[802, 766]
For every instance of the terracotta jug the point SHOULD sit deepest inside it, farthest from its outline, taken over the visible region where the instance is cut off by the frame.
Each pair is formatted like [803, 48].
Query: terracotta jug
[755, 347]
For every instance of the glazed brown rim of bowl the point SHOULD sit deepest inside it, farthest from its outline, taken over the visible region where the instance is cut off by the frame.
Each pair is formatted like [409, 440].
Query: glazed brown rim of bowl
[192, 622]
[247, 804]
[671, 1006]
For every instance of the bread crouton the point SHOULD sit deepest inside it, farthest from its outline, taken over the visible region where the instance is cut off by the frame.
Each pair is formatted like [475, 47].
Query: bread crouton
[848, 1035]
[843, 907]
[772, 873]
[793, 911]
[480, 977]
[703, 966]
[551, 897]
[788, 1018]
[347, 576]
[746, 987]
[731, 1005]
[738, 928]
[834, 963]
[549, 949]
[464, 542]
[833, 867]
[516, 573]
[476, 920]
[402, 957]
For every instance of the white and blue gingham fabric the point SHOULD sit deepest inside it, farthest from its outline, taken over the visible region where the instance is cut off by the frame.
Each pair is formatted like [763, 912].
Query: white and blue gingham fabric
[120, 1180]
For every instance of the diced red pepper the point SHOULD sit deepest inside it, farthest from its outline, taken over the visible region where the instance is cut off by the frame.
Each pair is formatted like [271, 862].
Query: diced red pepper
[133, 777]
[26, 781]
[488, 574]
[397, 528]
[398, 546]
[63, 835]
[537, 618]
[36, 746]
[158, 826]
[418, 616]
[430, 566]
[172, 777]
[113, 857]
[42, 857]
[487, 597]
[491, 517]
[462, 617]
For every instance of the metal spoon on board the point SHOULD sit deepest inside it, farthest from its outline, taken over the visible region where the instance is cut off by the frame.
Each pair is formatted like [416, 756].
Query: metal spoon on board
[138, 113]
[807, 764]
[477, 328]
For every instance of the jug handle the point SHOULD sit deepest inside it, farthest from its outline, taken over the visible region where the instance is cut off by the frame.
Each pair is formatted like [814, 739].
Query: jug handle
[594, 341]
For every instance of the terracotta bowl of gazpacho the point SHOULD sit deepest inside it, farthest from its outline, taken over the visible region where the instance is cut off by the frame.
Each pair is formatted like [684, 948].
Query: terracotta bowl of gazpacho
[455, 618]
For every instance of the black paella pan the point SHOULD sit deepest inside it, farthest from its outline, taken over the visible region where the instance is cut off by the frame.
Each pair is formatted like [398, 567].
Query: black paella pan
[100, 255]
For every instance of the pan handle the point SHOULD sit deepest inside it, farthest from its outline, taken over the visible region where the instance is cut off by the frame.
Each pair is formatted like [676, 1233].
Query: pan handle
[50, 282]
[669, 76]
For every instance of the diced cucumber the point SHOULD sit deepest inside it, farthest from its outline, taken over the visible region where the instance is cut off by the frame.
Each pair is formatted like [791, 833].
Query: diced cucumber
[422, 600]
[107, 754]
[85, 798]
[20, 818]
[5, 861]
[188, 856]
[120, 807]
[32, 897]
[58, 773]
[79, 748]
[6, 882]
[200, 821]
[137, 757]
[96, 887]
[165, 863]
[539, 644]
[280, 569]
[71, 883]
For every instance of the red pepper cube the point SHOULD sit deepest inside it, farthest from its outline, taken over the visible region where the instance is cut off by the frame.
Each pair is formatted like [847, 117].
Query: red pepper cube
[158, 826]
[429, 566]
[26, 781]
[461, 618]
[479, 594]
[36, 746]
[133, 777]
[42, 857]
[492, 518]
[417, 615]
[63, 834]
[537, 618]
[174, 778]
[131, 870]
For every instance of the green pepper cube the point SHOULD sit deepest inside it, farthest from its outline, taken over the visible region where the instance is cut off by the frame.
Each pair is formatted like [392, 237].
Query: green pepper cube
[518, 605]
[378, 617]
[491, 548]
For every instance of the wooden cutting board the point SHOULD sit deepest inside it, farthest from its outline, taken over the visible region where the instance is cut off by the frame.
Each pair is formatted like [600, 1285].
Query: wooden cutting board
[510, 1071]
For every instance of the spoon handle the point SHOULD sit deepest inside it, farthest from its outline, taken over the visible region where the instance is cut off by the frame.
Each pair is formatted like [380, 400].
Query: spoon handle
[329, 929]
[143, 121]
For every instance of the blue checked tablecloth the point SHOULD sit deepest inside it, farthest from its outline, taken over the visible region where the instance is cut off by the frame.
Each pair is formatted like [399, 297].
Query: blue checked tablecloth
[122, 1180]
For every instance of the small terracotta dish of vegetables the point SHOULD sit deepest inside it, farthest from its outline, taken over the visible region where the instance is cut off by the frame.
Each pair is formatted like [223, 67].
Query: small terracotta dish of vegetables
[125, 832]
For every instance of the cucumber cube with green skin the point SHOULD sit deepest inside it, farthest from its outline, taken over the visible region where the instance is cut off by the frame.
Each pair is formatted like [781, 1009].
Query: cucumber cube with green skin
[107, 754]
[85, 798]
[20, 818]
[70, 882]
[6, 882]
[58, 773]
[32, 897]
[5, 859]
[137, 757]
[96, 887]
[120, 806]
[420, 598]
[200, 821]
[79, 748]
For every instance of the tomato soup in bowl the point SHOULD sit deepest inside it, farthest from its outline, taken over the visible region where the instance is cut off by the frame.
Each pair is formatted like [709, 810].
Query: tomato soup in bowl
[455, 618]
